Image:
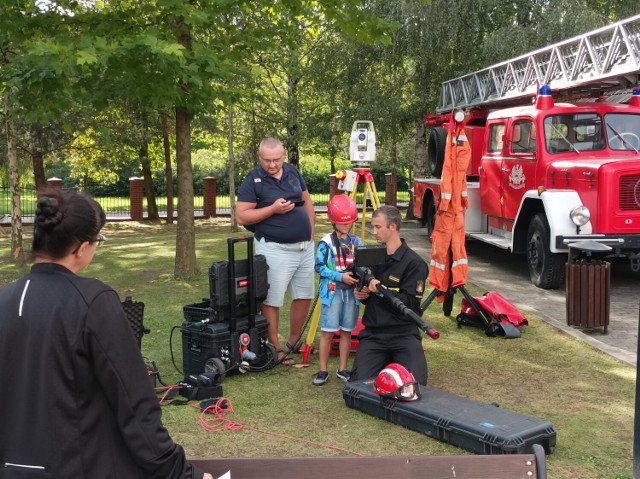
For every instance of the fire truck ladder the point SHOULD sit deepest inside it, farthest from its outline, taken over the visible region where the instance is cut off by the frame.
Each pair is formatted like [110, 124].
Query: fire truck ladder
[605, 59]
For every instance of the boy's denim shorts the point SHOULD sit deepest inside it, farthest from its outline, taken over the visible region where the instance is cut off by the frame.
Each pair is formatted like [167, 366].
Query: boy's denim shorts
[342, 314]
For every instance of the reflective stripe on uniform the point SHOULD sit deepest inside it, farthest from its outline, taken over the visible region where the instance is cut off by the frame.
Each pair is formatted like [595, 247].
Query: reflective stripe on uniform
[459, 262]
[435, 264]
[445, 196]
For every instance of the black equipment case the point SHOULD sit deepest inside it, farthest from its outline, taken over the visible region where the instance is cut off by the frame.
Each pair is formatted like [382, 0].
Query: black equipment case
[135, 314]
[218, 306]
[223, 332]
[476, 427]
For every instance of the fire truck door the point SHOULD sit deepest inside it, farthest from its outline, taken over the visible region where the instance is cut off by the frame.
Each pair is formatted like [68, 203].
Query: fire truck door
[518, 167]
[490, 174]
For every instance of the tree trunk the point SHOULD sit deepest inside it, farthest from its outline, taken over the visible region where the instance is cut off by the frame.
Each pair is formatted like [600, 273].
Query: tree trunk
[17, 252]
[38, 170]
[147, 175]
[143, 153]
[167, 166]
[185, 234]
[420, 151]
[419, 163]
[394, 154]
[232, 181]
[37, 156]
[292, 114]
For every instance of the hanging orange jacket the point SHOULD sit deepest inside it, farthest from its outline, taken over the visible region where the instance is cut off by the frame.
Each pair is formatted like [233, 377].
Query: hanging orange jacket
[448, 252]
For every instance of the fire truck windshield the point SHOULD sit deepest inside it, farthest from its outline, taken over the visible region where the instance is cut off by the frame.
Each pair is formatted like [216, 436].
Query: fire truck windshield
[578, 133]
[623, 131]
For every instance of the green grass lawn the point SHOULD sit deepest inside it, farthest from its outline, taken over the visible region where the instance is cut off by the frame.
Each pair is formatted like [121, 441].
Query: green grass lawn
[587, 395]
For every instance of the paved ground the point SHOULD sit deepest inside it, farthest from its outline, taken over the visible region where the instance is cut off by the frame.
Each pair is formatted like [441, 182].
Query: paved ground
[493, 269]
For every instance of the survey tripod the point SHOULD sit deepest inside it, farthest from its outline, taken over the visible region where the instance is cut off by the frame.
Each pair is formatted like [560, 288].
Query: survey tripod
[363, 176]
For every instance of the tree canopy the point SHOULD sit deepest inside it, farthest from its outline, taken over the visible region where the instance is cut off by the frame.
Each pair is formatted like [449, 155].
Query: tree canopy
[85, 82]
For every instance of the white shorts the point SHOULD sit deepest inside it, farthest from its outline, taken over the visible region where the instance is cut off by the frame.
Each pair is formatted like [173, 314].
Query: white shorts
[291, 268]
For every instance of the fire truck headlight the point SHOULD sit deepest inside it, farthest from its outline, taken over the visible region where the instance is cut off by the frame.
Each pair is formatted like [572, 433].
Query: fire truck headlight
[580, 215]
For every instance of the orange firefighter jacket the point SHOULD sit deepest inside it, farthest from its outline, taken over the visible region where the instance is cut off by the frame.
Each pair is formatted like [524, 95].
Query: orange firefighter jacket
[448, 253]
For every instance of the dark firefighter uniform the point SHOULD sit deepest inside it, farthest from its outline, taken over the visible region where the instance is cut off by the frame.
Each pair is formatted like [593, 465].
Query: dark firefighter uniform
[388, 336]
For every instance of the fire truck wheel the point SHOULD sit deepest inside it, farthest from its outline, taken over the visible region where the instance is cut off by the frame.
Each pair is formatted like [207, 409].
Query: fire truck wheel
[546, 269]
[435, 150]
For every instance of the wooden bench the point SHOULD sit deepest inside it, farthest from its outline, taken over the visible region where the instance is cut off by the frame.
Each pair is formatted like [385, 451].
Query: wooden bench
[500, 466]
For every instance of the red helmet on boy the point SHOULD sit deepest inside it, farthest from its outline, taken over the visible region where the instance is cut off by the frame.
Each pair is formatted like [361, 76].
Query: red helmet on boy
[396, 381]
[342, 210]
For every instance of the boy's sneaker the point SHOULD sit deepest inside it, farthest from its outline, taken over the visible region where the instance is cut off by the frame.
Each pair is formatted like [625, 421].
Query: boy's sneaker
[320, 378]
[343, 375]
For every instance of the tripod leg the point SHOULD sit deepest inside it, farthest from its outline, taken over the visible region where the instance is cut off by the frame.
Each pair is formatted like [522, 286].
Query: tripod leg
[363, 219]
[474, 305]
[313, 329]
[432, 295]
[375, 201]
[447, 306]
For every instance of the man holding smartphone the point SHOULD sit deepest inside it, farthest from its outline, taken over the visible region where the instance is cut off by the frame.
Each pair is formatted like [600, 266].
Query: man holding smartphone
[274, 203]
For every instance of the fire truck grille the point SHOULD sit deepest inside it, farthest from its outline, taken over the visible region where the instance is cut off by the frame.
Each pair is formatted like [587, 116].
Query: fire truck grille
[629, 192]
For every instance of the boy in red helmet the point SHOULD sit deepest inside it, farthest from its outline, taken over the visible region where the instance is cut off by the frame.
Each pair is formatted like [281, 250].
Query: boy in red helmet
[339, 311]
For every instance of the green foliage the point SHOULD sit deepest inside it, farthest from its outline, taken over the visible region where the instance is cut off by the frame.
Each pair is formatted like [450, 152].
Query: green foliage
[92, 76]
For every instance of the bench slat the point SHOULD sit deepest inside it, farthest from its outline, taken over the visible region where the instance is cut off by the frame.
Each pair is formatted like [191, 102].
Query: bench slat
[512, 466]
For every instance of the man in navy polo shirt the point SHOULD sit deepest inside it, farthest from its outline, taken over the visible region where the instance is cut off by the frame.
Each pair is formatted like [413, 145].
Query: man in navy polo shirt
[274, 201]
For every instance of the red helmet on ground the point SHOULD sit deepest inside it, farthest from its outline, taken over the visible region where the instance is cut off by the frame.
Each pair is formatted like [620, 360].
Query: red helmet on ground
[396, 381]
[342, 210]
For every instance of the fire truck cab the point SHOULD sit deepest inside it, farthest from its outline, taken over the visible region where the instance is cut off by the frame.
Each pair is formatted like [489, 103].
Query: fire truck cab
[545, 174]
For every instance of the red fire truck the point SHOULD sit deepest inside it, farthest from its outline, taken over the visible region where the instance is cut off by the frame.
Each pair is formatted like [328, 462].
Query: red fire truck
[555, 154]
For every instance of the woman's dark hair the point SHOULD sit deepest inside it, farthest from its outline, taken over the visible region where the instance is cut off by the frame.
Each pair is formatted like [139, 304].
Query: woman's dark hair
[63, 221]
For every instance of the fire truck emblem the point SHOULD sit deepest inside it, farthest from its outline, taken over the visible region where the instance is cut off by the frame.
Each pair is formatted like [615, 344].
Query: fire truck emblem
[516, 177]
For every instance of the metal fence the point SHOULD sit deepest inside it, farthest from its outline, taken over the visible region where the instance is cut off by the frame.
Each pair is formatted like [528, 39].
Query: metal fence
[118, 207]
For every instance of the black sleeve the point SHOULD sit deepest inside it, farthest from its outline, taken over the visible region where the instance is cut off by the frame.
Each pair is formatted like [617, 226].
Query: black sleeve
[120, 370]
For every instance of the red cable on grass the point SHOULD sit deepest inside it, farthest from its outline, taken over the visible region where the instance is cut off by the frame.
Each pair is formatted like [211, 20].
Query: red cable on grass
[167, 390]
[220, 423]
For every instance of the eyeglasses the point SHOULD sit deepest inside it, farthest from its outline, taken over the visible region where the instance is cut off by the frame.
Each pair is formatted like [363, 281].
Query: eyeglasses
[100, 239]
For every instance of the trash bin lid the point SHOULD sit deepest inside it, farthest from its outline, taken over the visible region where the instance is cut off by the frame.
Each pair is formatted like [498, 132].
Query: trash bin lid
[590, 245]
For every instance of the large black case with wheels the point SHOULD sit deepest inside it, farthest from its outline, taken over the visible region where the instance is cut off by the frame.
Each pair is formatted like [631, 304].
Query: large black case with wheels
[476, 427]
[221, 291]
[204, 345]
[236, 340]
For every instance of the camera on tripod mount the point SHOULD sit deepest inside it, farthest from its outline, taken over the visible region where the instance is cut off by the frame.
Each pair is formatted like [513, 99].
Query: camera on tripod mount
[362, 145]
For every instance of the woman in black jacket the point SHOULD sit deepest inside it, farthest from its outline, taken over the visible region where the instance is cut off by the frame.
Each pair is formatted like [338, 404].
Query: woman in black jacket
[76, 400]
